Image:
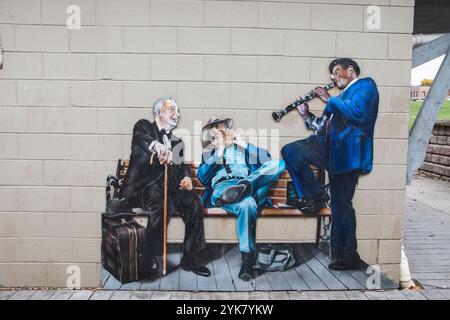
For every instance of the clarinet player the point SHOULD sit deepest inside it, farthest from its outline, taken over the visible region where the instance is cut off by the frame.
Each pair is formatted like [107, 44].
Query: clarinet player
[342, 144]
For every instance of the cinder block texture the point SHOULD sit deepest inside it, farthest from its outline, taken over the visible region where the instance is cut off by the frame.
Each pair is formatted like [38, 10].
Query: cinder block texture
[69, 99]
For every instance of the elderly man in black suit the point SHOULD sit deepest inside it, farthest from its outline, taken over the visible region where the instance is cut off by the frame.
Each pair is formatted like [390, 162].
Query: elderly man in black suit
[143, 185]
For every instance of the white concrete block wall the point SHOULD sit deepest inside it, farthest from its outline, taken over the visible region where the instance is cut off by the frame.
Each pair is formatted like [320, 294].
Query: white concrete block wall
[69, 100]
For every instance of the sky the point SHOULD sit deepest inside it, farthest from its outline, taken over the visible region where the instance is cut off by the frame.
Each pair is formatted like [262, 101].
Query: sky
[426, 71]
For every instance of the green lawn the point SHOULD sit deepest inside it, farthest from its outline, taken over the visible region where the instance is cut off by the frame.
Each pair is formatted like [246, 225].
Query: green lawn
[444, 113]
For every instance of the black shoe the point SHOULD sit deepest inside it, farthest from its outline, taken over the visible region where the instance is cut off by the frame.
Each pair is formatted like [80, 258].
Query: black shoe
[313, 205]
[234, 193]
[341, 265]
[307, 206]
[336, 265]
[196, 268]
[247, 272]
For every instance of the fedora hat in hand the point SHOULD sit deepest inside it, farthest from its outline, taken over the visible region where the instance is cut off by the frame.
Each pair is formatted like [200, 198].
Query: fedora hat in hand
[214, 122]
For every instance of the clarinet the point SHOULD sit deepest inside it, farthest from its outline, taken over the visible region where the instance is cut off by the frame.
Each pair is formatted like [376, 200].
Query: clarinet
[280, 114]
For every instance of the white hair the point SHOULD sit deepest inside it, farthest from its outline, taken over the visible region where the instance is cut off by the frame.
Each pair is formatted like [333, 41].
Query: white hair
[159, 103]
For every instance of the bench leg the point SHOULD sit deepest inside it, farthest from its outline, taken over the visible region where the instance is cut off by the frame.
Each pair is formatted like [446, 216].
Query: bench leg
[318, 231]
[323, 232]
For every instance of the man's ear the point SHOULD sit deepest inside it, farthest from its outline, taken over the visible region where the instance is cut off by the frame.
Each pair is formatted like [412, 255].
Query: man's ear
[350, 69]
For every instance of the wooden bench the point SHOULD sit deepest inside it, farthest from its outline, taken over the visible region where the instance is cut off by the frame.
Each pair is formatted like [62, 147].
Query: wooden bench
[278, 224]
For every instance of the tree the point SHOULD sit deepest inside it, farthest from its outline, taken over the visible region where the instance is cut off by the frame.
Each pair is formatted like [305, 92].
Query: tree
[426, 82]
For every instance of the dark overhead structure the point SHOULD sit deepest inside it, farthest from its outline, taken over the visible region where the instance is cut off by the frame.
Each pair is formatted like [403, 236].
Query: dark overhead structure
[432, 16]
[420, 132]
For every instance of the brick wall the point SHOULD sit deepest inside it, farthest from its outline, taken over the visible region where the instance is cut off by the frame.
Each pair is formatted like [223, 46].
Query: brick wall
[69, 100]
[437, 160]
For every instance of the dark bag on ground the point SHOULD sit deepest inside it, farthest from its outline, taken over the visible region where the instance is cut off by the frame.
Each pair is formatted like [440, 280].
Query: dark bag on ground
[274, 257]
[123, 241]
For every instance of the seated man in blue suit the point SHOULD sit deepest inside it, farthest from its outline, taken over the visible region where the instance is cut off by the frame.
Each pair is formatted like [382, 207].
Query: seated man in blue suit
[237, 177]
[343, 145]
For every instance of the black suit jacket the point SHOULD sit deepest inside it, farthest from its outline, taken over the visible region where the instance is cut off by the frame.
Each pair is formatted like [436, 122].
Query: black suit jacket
[140, 173]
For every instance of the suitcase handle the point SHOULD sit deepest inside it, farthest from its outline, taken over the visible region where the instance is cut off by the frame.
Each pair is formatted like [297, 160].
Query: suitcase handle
[124, 215]
[124, 222]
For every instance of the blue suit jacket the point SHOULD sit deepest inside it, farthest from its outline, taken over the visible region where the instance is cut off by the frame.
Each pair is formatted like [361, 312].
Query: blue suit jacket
[350, 131]
[254, 157]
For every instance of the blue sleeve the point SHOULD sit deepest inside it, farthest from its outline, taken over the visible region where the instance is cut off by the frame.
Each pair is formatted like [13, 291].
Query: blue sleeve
[355, 109]
[207, 170]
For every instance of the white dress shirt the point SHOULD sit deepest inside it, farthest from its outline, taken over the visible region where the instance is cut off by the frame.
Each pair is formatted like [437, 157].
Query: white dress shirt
[166, 140]
[351, 82]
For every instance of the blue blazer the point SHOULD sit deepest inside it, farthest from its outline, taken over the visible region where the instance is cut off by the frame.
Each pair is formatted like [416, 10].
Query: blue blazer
[350, 131]
[254, 157]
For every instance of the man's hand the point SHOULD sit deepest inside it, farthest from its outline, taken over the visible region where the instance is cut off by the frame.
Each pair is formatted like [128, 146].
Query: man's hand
[164, 154]
[322, 94]
[303, 109]
[186, 184]
[165, 158]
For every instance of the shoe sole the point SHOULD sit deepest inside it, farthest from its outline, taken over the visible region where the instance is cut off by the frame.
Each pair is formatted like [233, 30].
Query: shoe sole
[231, 194]
[191, 270]
[246, 279]
[316, 209]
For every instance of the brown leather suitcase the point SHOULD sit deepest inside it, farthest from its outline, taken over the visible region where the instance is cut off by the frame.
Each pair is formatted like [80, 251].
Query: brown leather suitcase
[123, 243]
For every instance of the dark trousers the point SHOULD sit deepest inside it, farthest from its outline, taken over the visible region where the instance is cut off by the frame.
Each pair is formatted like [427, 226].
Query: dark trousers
[299, 156]
[182, 202]
[343, 231]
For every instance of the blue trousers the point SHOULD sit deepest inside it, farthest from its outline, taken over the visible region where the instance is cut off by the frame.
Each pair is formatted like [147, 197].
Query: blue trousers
[247, 209]
[299, 156]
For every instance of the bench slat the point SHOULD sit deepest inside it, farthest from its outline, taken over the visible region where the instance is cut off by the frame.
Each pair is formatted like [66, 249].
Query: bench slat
[277, 193]
[269, 212]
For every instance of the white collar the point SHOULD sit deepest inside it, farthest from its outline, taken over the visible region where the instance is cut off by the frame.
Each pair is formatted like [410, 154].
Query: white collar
[352, 82]
[158, 124]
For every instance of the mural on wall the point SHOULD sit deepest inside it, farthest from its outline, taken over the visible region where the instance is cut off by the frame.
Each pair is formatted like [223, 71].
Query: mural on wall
[241, 179]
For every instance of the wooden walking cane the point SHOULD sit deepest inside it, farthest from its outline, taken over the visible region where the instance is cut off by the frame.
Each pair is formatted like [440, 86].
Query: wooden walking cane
[165, 221]
[165, 216]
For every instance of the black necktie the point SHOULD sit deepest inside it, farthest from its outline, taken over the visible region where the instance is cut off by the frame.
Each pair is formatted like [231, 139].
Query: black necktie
[163, 132]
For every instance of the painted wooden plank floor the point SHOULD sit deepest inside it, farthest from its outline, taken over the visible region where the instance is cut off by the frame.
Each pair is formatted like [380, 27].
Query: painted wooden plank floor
[430, 294]
[310, 273]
